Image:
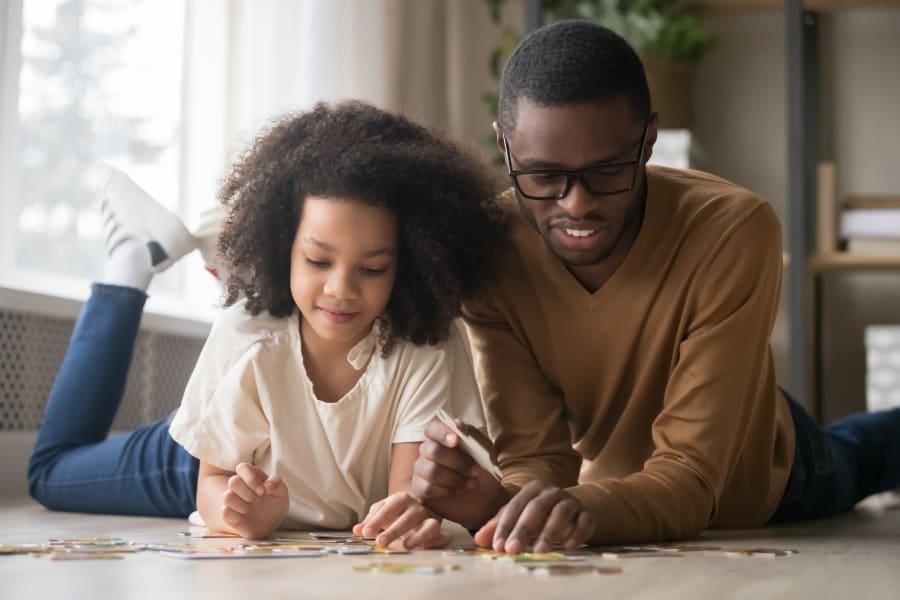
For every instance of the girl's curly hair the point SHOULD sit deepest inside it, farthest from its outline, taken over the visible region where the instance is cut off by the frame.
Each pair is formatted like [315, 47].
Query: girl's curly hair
[450, 222]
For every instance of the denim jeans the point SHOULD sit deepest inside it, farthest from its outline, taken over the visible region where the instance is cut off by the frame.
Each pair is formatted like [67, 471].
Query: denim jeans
[837, 466]
[74, 466]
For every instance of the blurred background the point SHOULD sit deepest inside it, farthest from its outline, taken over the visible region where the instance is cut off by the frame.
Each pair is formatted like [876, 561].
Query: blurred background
[171, 91]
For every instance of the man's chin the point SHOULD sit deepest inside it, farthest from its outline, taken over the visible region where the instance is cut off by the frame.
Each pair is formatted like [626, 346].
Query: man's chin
[572, 258]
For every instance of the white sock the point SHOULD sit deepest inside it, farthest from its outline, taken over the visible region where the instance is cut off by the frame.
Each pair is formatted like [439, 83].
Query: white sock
[129, 265]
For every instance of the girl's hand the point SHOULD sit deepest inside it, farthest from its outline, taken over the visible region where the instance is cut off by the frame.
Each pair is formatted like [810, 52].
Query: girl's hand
[401, 516]
[254, 504]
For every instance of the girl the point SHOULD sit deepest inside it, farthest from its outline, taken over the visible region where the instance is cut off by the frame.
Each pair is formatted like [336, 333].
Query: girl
[352, 238]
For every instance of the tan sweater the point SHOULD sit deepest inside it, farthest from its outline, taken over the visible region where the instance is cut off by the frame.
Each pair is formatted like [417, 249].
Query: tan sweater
[662, 380]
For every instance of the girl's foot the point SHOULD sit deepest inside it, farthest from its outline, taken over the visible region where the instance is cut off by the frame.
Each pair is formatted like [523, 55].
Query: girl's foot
[131, 214]
[206, 233]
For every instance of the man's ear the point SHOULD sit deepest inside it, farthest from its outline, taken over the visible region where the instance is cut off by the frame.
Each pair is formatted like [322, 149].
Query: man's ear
[652, 131]
[499, 133]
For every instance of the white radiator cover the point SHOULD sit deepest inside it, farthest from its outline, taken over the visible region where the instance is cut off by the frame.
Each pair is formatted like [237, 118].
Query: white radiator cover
[31, 350]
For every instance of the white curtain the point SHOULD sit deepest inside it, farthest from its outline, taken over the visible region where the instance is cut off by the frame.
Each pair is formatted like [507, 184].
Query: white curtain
[425, 58]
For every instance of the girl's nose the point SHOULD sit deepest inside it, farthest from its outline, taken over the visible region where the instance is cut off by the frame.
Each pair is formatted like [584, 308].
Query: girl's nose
[340, 285]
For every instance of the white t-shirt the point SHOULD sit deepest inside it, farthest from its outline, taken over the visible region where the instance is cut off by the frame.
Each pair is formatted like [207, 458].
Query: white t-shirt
[249, 400]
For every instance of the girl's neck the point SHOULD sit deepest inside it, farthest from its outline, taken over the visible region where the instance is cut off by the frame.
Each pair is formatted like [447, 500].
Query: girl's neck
[319, 346]
[326, 364]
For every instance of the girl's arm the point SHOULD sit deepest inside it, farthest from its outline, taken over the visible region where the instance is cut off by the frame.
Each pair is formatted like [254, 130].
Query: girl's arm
[245, 501]
[403, 458]
[400, 515]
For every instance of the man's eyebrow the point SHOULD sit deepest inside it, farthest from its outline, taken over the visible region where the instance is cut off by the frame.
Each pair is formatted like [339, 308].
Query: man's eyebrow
[528, 165]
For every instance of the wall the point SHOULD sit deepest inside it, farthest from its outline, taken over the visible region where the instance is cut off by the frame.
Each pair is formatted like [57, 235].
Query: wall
[740, 123]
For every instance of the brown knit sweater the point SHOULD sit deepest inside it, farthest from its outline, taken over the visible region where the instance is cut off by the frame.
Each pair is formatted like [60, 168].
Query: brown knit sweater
[653, 400]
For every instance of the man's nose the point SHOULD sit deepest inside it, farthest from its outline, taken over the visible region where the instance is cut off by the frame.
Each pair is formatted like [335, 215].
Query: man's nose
[578, 202]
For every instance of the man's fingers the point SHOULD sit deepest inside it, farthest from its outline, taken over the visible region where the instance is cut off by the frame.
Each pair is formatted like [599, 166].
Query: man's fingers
[427, 491]
[253, 477]
[560, 521]
[442, 466]
[584, 529]
[440, 433]
[510, 517]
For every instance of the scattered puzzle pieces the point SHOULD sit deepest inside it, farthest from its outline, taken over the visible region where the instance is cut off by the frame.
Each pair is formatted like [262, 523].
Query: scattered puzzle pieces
[406, 568]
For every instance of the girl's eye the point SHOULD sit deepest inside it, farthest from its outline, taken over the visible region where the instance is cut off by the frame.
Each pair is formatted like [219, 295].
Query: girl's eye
[374, 272]
[317, 264]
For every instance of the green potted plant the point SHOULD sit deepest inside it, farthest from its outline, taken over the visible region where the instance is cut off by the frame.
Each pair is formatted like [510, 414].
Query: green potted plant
[669, 41]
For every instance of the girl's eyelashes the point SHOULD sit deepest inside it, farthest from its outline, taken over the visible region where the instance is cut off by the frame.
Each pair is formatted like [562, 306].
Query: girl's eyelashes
[324, 264]
[318, 264]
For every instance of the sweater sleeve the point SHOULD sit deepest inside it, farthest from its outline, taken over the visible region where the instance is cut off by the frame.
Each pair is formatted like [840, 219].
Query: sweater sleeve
[715, 388]
[525, 414]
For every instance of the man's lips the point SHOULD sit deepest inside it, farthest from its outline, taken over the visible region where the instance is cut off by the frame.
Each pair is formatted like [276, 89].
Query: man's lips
[578, 236]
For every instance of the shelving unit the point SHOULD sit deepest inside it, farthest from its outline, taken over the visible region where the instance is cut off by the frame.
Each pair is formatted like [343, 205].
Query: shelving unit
[804, 277]
[842, 261]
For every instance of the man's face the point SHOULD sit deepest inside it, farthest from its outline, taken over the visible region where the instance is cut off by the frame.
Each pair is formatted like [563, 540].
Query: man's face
[583, 228]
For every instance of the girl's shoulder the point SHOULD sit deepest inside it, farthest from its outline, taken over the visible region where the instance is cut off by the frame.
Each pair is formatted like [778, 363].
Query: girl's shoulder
[450, 351]
[235, 330]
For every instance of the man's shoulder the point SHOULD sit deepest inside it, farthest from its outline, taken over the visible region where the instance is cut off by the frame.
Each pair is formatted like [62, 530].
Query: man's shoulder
[697, 191]
[700, 203]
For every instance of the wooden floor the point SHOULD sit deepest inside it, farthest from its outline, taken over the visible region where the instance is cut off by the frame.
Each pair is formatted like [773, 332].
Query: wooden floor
[853, 557]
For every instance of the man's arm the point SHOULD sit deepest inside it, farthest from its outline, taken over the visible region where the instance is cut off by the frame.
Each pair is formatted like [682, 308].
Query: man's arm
[525, 414]
[711, 397]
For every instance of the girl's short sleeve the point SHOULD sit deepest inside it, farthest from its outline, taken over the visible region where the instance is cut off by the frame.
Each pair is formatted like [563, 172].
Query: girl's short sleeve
[439, 377]
[220, 420]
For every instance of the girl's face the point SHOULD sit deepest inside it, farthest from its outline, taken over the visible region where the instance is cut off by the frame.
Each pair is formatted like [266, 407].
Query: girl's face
[343, 267]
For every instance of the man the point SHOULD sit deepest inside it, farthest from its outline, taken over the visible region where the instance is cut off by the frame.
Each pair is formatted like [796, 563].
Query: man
[623, 353]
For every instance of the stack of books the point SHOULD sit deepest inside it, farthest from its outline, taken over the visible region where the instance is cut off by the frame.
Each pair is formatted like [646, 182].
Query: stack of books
[871, 225]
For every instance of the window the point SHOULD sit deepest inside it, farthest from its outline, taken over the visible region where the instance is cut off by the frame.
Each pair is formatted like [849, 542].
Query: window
[98, 79]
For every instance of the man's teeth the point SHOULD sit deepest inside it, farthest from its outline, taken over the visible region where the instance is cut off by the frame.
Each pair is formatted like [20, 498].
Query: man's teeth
[580, 232]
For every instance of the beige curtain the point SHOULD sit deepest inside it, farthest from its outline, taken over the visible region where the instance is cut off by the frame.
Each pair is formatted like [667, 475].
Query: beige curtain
[425, 58]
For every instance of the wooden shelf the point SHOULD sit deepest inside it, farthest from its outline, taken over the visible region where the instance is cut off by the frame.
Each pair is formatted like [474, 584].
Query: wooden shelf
[714, 6]
[843, 261]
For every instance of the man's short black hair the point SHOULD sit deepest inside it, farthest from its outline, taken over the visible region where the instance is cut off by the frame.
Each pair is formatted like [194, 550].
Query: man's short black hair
[570, 62]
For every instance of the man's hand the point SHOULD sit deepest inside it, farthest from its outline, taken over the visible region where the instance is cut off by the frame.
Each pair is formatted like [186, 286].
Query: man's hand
[254, 504]
[400, 516]
[541, 513]
[447, 480]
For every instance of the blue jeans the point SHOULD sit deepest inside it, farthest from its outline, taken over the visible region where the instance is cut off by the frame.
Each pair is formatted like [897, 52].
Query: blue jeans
[837, 466]
[74, 466]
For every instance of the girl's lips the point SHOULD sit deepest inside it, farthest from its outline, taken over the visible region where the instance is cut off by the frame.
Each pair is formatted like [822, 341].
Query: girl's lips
[337, 317]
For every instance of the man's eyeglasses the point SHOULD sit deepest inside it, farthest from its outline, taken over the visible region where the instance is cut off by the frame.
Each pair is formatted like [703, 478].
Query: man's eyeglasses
[555, 184]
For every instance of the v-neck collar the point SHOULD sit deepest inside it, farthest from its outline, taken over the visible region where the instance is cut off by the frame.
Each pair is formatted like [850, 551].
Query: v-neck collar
[656, 213]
